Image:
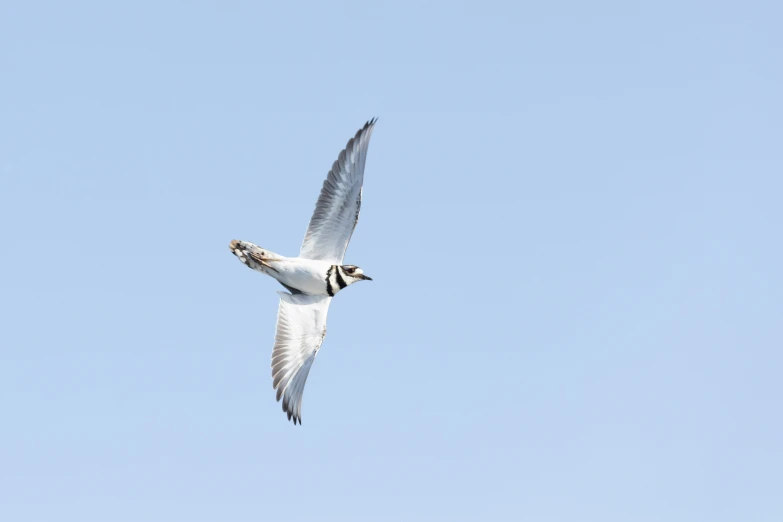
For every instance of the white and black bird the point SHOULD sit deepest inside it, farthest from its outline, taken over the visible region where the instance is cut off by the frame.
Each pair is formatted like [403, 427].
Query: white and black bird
[316, 275]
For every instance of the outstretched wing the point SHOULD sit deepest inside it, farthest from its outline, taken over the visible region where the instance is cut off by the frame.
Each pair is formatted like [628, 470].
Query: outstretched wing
[301, 328]
[337, 209]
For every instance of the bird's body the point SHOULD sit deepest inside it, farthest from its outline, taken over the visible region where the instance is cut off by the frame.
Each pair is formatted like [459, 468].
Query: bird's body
[316, 275]
[307, 276]
[297, 274]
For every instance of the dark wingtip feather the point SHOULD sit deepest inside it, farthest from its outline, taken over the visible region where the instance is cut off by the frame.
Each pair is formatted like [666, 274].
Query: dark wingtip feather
[369, 123]
[290, 414]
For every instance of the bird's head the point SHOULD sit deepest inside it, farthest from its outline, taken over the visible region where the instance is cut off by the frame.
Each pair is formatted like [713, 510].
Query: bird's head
[352, 274]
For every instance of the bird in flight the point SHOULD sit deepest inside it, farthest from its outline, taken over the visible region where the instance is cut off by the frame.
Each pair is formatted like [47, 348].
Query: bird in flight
[316, 275]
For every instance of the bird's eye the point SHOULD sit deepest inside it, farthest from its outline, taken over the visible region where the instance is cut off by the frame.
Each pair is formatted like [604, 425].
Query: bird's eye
[350, 270]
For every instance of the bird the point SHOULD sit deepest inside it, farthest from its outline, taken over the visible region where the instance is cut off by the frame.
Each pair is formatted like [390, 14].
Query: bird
[316, 275]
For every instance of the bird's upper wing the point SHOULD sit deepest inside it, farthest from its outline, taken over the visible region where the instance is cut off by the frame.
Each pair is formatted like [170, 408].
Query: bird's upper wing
[337, 209]
[301, 328]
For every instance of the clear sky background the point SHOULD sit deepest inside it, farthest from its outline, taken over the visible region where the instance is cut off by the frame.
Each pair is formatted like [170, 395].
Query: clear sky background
[572, 216]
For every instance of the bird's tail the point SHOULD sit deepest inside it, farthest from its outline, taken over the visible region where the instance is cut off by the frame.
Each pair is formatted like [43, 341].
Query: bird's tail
[252, 255]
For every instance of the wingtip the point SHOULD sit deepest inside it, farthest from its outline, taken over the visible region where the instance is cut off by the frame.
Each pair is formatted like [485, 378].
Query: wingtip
[364, 131]
[289, 413]
[293, 418]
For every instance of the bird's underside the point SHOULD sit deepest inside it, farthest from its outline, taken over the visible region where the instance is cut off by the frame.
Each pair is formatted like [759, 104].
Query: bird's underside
[315, 276]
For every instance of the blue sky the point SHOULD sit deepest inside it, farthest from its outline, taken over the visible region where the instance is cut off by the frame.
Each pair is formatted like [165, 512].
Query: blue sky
[572, 218]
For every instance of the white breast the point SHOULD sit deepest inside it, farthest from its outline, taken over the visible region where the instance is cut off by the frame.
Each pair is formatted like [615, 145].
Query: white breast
[306, 275]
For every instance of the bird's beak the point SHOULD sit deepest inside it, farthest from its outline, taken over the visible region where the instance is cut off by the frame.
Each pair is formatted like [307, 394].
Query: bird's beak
[366, 278]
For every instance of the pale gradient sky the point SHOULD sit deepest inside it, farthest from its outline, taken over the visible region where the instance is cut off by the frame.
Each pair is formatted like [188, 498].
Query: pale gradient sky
[572, 216]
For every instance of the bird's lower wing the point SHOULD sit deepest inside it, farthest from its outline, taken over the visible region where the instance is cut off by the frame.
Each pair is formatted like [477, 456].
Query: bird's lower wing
[301, 328]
